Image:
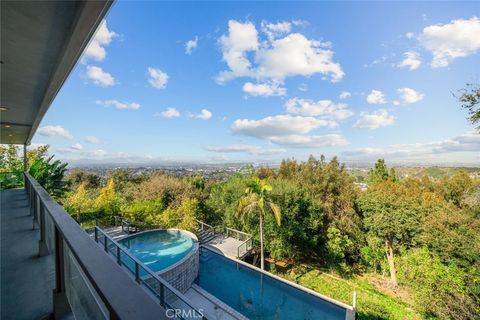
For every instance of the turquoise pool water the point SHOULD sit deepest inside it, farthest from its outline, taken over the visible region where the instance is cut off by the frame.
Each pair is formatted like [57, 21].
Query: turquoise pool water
[258, 296]
[158, 249]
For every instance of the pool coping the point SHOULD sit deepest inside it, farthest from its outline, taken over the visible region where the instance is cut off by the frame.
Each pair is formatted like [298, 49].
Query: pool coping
[194, 250]
[350, 310]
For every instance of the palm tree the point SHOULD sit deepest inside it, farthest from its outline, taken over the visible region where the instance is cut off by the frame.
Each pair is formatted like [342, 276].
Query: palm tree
[256, 199]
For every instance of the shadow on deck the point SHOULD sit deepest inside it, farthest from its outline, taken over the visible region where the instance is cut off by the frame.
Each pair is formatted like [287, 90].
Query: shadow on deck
[26, 279]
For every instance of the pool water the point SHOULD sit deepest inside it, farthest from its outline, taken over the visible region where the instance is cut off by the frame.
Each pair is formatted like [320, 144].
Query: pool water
[259, 296]
[158, 249]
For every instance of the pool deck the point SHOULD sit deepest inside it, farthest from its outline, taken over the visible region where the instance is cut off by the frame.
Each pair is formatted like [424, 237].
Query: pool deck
[225, 245]
[27, 280]
[116, 233]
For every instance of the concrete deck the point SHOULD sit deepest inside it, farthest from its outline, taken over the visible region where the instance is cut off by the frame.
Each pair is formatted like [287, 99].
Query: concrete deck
[225, 245]
[27, 280]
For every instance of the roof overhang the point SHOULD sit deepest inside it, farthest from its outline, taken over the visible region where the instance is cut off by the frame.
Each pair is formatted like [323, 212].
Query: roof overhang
[41, 41]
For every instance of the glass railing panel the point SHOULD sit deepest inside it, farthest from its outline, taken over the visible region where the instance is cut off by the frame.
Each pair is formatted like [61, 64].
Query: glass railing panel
[82, 297]
[49, 232]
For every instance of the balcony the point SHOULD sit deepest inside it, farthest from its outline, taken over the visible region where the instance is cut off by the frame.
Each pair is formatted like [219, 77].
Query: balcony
[50, 266]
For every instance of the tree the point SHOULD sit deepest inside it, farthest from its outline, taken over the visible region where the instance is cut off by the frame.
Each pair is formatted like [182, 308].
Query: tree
[380, 173]
[469, 99]
[256, 199]
[79, 201]
[393, 214]
[107, 200]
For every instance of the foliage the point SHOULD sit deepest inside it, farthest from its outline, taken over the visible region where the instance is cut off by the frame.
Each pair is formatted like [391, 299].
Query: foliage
[469, 99]
[107, 201]
[380, 173]
[440, 290]
[79, 201]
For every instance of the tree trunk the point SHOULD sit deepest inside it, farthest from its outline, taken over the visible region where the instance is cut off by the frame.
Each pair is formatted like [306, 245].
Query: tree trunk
[261, 243]
[391, 261]
[78, 216]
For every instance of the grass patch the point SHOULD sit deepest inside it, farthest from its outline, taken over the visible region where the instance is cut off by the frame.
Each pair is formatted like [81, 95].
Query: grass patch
[371, 303]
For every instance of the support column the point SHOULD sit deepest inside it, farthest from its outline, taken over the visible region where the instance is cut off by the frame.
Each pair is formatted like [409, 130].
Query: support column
[61, 307]
[24, 165]
[42, 243]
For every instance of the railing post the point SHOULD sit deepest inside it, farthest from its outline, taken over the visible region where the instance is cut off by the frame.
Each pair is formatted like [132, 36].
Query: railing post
[35, 206]
[61, 307]
[118, 256]
[162, 295]
[137, 272]
[42, 244]
[105, 246]
[95, 234]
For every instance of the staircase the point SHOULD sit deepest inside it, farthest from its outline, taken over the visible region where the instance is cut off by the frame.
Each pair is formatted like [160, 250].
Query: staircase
[205, 235]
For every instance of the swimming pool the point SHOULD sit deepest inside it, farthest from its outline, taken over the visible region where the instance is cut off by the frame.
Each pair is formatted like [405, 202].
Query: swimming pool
[159, 249]
[260, 296]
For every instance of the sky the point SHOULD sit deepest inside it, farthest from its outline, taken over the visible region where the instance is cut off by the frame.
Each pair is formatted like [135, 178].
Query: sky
[264, 81]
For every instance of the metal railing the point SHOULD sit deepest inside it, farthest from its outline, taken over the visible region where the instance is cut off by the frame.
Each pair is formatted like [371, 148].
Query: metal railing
[167, 295]
[245, 246]
[88, 283]
[205, 226]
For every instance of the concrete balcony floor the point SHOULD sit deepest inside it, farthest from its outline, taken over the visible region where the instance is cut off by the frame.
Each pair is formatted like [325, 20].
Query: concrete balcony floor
[27, 280]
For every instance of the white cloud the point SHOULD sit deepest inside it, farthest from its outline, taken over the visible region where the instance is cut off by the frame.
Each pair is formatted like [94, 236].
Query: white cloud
[409, 35]
[93, 140]
[245, 148]
[411, 61]
[96, 48]
[281, 55]
[409, 95]
[99, 153]
[157, 78]
[274, 30]
[169, 113]
[76, 147]
[374, 120]
[287, 130]
[118, 104]
[344, 95]
[281, 125]
[204, 114]
[303, 87]
[190, 45]
[55, 131]
[322, 108]
[376, 97]
[100, 77]
[459, 38]
[264, 89]
[436, 150]
[306, 141]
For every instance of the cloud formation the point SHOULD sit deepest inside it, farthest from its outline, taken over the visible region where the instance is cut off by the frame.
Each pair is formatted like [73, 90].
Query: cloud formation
[376, 97]
[325, 109]
[282, 54]
[459, 38]
[204, 114]
[411, 60]
[55, 131]
[374, 120]
[190, 45]
[96, 48]
[119, 105]
[408, 95]
[264, 89]
[157, 78]
[99, 77]
[245, 148]
[169, 113]
[93, 140]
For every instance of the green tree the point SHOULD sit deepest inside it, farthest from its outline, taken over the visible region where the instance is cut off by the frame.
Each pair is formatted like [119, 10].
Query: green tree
[393, 214]
[469, 99]
[380, 172]
[256, 199]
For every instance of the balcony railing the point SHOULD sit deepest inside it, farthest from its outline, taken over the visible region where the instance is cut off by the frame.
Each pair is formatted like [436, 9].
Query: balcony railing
[88, 283]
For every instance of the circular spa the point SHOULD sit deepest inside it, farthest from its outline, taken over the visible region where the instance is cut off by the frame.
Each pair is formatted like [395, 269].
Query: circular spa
[170, 253]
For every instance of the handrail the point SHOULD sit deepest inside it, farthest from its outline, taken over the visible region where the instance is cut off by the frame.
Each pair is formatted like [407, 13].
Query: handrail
[247, 245]
[122, 297]
[203, 225]
[163, 283]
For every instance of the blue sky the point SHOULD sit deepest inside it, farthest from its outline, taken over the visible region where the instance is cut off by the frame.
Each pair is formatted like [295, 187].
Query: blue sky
[245, 81]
